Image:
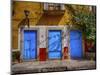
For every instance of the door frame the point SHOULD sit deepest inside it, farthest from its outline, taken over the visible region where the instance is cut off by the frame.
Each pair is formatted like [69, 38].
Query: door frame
[21, 36]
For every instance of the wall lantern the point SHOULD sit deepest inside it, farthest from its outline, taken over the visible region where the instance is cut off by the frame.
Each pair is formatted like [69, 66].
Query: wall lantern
[25, 21]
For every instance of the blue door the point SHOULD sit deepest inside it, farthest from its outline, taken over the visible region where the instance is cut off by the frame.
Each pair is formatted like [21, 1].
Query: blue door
[76, 44]
[29, 45]
[54, 44]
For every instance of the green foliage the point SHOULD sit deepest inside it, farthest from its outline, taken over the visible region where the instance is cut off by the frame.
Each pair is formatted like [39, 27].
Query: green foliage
[15, 56]
[87, 23]
[84, 19]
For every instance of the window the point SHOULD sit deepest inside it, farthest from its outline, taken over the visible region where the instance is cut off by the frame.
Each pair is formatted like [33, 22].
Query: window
[53, 6]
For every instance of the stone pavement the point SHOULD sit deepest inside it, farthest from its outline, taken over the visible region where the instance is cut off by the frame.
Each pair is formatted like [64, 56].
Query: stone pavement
[52, 66]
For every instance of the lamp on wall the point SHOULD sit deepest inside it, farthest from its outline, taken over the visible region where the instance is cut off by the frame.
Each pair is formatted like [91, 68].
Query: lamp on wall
[26, 13]
[25, 21]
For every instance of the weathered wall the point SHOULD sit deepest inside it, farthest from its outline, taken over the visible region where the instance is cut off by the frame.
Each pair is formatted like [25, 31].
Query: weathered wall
[18, 9]
[36, 11]
[37, 16]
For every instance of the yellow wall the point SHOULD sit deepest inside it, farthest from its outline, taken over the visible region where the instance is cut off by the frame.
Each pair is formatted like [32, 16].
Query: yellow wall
[66, 19]
[19, 7]
[36, 11]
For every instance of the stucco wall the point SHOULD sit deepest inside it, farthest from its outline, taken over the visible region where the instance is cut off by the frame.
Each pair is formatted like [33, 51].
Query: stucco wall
[36, 11]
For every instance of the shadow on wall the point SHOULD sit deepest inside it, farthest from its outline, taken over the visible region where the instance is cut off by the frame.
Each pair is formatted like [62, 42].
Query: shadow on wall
[49, 19]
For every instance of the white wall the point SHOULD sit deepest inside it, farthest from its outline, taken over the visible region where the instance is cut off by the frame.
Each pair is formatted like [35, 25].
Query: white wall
[42, 37]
